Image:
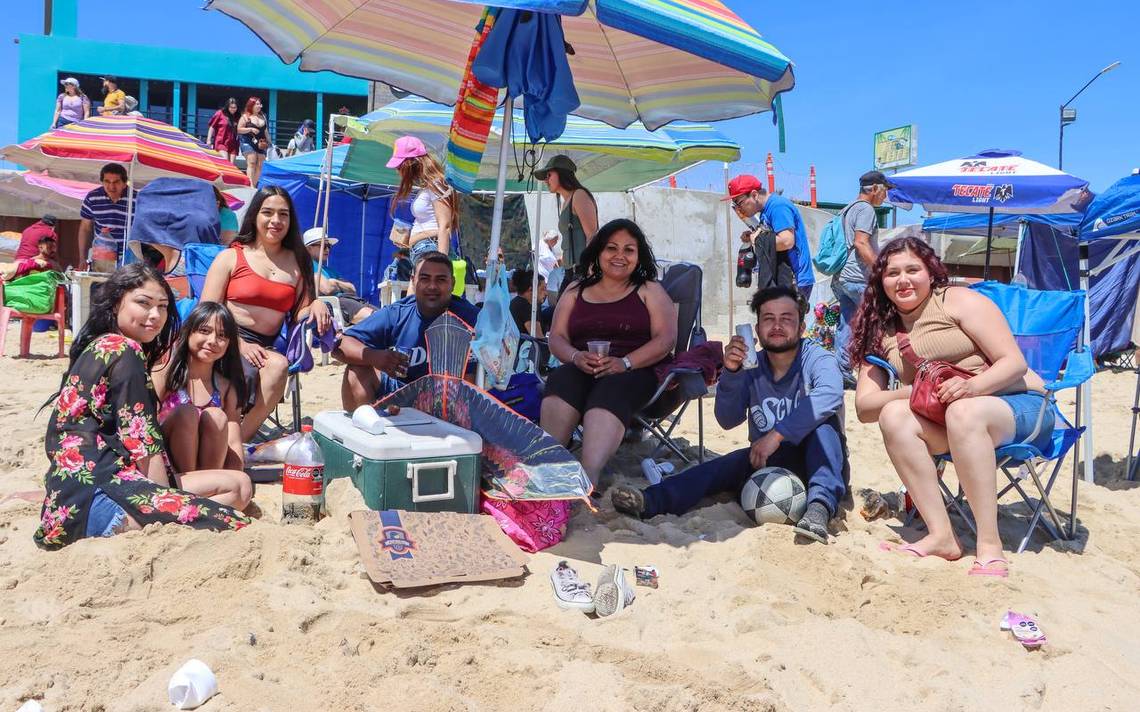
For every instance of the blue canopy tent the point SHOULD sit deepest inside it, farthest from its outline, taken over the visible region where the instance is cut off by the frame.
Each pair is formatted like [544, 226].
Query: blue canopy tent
[1113, 220]
[358, 215]
[1048, 258]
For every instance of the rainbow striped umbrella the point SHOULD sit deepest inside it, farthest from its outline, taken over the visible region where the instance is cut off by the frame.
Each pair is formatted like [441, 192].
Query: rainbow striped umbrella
[149, 149]
[653, 61]
[607, 158]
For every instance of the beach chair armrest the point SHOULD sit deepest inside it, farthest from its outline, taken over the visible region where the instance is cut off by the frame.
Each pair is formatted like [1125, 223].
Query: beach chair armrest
[1079, 368]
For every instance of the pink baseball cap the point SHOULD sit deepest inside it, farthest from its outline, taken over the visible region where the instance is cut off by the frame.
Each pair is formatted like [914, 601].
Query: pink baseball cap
[406, 147]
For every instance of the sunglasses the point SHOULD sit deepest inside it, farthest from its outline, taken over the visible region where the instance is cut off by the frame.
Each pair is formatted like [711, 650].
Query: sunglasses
[739, 200]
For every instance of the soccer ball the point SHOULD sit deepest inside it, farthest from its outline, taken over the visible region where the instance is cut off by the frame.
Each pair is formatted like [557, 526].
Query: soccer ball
[773, 495]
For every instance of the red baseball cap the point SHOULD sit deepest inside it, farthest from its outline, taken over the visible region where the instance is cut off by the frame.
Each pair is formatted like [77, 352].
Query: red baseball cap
[743, 184]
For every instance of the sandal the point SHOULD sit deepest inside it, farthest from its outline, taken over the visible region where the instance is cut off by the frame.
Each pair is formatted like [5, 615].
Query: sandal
[982, 568]
[1024, 629]
[628, 500]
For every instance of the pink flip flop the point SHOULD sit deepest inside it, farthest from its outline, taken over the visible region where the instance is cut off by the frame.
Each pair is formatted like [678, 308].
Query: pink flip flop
[1024, 629]
[910, 550]
[982, 568]
[902, 549]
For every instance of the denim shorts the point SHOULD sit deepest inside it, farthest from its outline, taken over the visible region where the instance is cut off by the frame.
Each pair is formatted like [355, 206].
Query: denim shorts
[423, 246]
[1026, 407]
[105, 515]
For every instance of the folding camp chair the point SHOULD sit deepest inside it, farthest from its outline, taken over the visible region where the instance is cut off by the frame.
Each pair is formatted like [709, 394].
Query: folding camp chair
[1047, 327]
[683, 282]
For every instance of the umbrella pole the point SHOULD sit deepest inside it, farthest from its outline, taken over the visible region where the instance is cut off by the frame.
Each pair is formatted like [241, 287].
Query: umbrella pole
[728, 243]
[534, 260]
[327, 172]
[989, 243]
[130, 211]
[500, 186]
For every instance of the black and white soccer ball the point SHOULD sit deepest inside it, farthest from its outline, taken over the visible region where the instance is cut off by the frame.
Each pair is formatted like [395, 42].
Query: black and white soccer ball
[773, 495]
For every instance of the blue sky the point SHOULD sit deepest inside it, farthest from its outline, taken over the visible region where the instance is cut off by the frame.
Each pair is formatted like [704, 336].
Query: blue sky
[973, 76]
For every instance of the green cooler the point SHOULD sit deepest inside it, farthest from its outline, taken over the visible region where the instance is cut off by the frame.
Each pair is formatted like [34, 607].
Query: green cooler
[419, 463]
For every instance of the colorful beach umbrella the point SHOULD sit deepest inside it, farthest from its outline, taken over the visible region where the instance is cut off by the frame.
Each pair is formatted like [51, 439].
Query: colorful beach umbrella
[149, 149]
[650, 60]
[994, 181]
[608, 159]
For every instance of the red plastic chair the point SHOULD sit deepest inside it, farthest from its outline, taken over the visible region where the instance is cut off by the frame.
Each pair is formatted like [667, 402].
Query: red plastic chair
[28, 320]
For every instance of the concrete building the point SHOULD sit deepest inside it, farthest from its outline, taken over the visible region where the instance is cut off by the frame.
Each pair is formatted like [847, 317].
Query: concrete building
[180, 87]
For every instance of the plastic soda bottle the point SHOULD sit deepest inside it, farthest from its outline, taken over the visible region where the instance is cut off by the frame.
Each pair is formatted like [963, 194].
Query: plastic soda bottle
[303, 480]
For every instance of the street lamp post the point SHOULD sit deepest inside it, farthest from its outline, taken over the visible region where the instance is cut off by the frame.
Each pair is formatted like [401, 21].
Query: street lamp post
[1068, 115]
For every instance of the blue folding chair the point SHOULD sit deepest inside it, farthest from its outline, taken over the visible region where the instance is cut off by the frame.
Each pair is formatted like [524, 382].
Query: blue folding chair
[1047, 327]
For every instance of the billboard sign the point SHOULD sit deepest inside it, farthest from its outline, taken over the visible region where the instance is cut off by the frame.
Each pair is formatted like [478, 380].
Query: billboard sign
[896, 148]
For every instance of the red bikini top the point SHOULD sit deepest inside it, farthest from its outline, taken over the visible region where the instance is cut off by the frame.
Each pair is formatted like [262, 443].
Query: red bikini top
[249, 287]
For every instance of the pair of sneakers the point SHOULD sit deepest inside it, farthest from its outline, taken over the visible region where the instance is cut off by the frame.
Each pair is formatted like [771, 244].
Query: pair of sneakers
[612, 594]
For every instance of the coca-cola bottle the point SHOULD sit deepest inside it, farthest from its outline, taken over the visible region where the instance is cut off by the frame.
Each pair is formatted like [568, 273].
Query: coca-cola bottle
[303, 480]
[745, 263]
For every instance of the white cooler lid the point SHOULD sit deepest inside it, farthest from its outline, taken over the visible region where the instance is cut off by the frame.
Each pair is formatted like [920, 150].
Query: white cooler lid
[411, 435]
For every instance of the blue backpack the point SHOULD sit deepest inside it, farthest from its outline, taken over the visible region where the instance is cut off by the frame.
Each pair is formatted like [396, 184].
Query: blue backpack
[833, 247]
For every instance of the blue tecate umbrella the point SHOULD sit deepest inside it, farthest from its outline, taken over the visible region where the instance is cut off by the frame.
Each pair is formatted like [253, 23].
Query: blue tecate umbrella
[993, 181]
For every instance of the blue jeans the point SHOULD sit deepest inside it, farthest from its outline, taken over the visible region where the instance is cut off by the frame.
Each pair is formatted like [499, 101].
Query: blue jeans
[849, 295]
[820, 460]
[1026, 407]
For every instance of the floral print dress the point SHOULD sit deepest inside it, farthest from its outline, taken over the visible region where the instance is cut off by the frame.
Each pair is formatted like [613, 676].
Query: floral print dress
[104, 423]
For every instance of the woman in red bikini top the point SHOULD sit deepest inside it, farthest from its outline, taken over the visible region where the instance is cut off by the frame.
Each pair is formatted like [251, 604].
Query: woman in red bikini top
[265, 277]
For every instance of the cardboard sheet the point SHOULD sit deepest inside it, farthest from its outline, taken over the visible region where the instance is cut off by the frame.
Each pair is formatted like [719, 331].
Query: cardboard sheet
[413, 549]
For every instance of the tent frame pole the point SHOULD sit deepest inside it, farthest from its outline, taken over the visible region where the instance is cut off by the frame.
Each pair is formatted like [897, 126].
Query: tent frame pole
[730, 281]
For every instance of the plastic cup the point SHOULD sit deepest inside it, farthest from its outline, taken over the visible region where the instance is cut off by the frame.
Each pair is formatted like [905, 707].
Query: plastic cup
[191, 685]
[598, 348]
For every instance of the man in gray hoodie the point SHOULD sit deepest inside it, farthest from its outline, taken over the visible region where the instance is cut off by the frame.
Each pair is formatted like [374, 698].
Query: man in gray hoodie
[793, 401]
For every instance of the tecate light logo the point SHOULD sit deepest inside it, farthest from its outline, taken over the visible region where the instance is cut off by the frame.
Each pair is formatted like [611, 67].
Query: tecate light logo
[985, 167]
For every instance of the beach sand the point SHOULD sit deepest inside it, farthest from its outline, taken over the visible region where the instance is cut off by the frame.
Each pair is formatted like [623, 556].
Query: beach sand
[745, 618]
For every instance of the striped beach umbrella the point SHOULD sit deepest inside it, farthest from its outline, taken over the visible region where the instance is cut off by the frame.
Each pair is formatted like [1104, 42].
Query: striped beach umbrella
[608, 159]
[149, 149]
[653, 61]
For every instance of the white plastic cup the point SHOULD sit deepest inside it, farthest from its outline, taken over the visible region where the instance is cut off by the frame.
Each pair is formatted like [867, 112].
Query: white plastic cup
[191, 685]
[367, 419]
[744, 331]
[598, 348]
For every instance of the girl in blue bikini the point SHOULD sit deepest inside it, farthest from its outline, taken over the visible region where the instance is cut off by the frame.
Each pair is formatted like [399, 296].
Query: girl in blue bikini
[200, 391]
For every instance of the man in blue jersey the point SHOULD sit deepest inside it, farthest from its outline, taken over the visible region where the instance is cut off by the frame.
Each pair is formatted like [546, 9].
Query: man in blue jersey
[776, 214]
[388, 349]
[103, 220]
[793, 402]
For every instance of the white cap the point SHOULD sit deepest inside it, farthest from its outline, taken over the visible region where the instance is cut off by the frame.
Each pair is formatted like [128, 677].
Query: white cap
[70, 80]
[313, 236]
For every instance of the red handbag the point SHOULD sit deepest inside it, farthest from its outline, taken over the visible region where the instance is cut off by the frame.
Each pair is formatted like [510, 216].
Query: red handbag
[928, 376]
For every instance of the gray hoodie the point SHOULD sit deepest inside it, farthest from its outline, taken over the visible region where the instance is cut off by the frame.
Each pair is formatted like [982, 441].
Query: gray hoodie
[810, 393]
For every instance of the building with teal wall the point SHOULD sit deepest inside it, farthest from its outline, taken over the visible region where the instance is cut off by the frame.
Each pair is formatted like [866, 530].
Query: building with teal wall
[181, 87]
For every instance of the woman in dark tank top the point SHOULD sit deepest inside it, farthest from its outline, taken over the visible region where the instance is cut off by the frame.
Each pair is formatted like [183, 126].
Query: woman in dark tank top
[578, 218]
[618, 301]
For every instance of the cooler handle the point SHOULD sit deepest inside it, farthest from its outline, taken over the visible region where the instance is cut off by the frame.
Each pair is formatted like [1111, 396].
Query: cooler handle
[414, 475]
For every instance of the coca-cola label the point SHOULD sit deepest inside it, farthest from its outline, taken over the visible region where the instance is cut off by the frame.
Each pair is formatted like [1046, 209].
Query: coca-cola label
[306, 480]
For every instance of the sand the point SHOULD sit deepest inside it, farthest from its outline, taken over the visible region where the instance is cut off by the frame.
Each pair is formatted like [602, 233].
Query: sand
[745, 617]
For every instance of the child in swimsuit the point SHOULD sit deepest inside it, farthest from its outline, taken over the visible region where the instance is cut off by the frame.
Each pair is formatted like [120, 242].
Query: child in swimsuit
[200, 391]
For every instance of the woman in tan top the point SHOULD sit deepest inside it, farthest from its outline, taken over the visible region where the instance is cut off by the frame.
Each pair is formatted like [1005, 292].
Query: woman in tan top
[1000, 404]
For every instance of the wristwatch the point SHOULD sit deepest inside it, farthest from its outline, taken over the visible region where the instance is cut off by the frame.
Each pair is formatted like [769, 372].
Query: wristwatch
[627, 362]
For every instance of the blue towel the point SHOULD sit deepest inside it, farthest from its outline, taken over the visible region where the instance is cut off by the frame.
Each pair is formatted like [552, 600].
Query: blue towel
[174, 212]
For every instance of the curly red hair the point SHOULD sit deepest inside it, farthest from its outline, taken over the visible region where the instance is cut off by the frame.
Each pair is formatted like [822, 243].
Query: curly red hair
[250, 103]
[877, 311]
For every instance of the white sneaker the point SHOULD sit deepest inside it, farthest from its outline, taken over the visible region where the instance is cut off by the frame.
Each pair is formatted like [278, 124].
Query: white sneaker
[569, 591]
[613, 592]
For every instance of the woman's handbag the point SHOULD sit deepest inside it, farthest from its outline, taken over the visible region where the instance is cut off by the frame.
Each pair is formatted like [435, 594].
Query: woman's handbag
[928, 376]
[263, 144]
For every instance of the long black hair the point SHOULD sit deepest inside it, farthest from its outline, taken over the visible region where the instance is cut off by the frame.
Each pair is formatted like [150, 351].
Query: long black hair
[228, 366]
[105, 309]
[225, 107]
[247, 235]
[590, 261]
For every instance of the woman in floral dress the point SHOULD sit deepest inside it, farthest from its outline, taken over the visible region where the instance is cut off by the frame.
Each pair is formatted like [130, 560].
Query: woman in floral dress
[108, 471]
